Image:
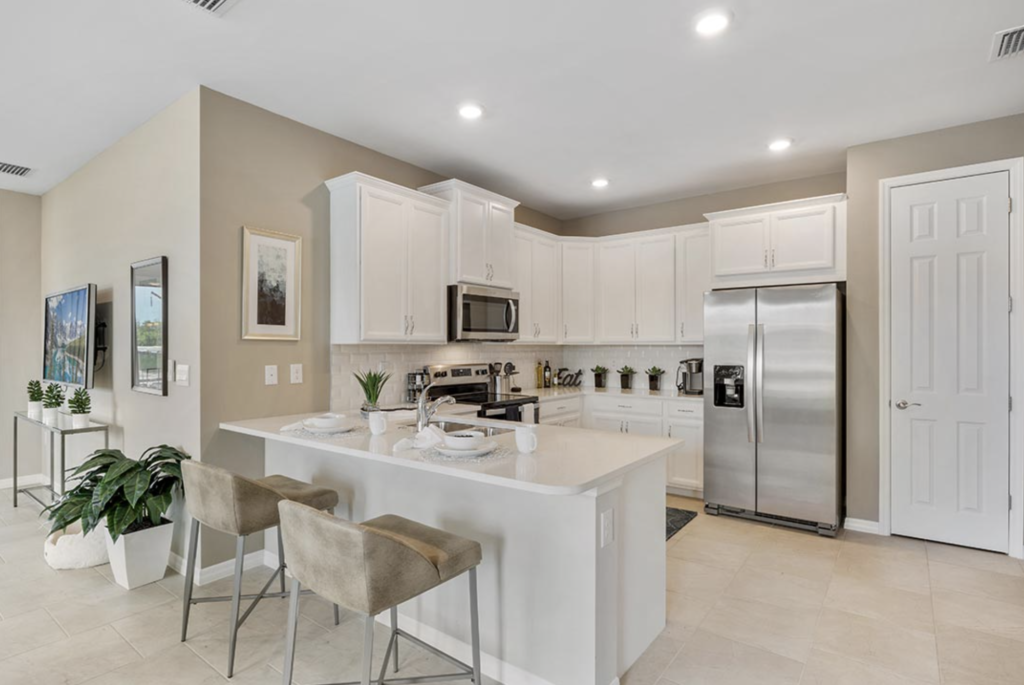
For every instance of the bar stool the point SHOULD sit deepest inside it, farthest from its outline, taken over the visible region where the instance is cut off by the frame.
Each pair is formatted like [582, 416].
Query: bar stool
[240, 506]
[373, 567]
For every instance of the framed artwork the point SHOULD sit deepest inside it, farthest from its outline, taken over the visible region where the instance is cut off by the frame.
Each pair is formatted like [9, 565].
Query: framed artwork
[149, 326]
[271, 285]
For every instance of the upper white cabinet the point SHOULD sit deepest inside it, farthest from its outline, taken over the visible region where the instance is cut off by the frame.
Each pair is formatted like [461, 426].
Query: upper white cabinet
[803, 241]
[693, 279]
[577, 292]
[636, 290]
[536, 279]
[389, 262]
[482, 233]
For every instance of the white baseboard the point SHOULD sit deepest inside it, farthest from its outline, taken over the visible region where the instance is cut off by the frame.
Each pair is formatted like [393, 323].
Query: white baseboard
[225, 569]
[862, 526]
[685, 492]
[25, 481]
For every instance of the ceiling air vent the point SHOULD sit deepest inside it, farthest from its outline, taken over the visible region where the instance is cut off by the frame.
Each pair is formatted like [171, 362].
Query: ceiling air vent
[217, 7]
[14, 169]
[1008, 43]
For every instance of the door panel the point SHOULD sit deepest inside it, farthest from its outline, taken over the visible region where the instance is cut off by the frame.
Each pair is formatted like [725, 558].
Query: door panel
[740, 245]
[798, 458]
[384, 259]
[729, 450]
[577, 292]
[685, 465]
[950, 361]
[471, 250]
[500, 225]
[523, 284]
[655, 289]
[545, 289]
[804, 239]
[428, 246]
[693, 279]
[616, 299]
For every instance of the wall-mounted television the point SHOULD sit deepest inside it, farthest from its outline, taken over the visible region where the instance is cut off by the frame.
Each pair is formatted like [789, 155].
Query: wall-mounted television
[69, 336]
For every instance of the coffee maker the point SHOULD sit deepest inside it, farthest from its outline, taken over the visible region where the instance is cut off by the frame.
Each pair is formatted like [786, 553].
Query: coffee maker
[690, 376]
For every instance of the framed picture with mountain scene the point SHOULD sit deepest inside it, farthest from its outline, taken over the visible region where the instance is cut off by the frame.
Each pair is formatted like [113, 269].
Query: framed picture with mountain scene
[271, 285]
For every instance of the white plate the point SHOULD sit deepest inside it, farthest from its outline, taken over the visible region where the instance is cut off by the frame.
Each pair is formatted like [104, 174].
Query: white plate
[480, 451]
[325, 422]
[329, 431]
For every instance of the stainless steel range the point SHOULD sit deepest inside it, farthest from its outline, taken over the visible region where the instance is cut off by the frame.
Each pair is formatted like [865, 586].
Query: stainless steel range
[470, 384]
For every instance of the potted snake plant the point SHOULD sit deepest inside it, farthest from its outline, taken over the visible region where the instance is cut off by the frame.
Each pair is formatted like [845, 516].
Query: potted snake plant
[80, 405]
[53, 400]
[35, 400]
[372, 383]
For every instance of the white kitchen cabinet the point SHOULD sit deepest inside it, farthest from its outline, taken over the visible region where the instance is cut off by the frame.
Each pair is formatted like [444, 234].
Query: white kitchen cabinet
[482, 225]
[636, 290]
[577, 292]
[693, 279]
[686, 464]
[389, 249]
[616, 294]
[626, 423]
[535, 278]
[802, 241]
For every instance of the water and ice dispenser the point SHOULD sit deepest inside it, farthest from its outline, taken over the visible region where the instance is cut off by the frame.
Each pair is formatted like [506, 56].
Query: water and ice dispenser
[729, 386]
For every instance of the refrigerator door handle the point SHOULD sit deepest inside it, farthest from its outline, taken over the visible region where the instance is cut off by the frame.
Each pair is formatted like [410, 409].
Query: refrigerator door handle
[747, 395]
[759, 382]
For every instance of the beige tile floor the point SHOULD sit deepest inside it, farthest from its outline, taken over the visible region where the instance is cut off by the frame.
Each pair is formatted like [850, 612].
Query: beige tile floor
[747, 603]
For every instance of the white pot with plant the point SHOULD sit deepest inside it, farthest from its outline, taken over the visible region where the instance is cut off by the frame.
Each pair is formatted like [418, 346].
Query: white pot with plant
[372, 383]
[131, 497]
[80, 405]
[35, 400]
[53, 400]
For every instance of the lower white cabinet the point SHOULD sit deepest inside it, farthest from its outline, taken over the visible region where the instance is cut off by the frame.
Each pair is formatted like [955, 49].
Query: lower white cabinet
[626, 423]
[566, 420]
[686, 464]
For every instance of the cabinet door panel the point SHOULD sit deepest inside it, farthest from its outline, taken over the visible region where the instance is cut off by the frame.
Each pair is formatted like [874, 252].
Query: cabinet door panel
[693, 279]
[428, 245]
[656, 289]
[500, 227]
[616, 298]
[686, 464]
[740, 245]
[471, 241]
[803, 239]
[384, 265]
[607, 422]
[522, 283]
[577, 292]
[635, 426]
[545, 289]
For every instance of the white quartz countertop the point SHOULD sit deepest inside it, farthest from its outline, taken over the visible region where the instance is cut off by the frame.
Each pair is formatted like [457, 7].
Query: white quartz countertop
[545, 394]
[568, 461]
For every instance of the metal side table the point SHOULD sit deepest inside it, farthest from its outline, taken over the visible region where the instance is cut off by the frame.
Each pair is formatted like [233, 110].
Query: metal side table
[61, 429]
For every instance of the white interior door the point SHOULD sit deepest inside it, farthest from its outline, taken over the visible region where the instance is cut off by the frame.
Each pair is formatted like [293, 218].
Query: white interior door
[950, 361]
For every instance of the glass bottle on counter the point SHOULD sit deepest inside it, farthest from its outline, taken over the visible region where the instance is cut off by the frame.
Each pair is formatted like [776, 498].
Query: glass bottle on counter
[547, 374]
[540, 375]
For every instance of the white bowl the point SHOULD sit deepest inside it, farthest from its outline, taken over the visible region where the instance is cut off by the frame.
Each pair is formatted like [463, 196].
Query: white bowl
[325, 421]
[464, 440]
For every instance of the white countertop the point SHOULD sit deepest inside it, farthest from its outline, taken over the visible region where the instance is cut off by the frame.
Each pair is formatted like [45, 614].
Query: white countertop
[568, 461]
[544, 394]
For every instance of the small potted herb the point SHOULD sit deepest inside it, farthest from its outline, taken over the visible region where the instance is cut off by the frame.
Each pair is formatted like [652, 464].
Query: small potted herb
[35, 400]
[599, 375]
[80, 405]
[372, 383]
[654, 375]
[53, 399]
[626, 377]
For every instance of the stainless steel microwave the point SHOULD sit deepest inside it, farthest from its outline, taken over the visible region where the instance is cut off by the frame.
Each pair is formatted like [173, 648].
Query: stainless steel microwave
[480, 313]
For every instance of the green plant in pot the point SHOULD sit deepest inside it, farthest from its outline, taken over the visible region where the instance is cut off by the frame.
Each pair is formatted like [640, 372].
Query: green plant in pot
[600, 372]
[53, 400]
[35, 399]
[654, 375]
[80, 405]
[372, 383]
[128, 498]
[626, 377]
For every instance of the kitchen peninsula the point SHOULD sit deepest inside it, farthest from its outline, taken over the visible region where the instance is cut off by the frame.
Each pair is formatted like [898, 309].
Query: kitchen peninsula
[572, 586]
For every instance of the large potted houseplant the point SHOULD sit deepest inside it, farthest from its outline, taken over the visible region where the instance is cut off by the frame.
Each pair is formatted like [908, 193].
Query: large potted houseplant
[35, 400]
[372, 383]
[80, 405]
[626, 377]
[600, 372]
[53, 400]
[130, 497]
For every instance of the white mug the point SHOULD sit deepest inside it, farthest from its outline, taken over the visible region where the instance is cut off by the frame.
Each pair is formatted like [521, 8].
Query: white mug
[378, 423]
[526, 438]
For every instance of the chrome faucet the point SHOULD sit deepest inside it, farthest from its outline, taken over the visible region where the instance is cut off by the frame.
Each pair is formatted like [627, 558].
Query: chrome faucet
[425, 411]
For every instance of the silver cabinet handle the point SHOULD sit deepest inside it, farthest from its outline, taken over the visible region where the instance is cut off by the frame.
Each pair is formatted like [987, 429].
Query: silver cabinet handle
[412, 324]
[748, 396]
[773, 257]
[624, 406]
[566, 331]
[766, 259]
[682, 327]
[406, 324]
[903, 404]
[759, 377]
[670, 430]
[627, 426]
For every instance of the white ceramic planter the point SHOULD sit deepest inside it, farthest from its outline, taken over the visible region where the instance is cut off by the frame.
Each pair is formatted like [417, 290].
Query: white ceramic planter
[50, 416]
[140, 558]
[35, 410]
[79, 420]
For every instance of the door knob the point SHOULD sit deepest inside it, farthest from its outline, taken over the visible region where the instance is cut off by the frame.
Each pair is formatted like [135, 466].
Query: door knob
[903, 404]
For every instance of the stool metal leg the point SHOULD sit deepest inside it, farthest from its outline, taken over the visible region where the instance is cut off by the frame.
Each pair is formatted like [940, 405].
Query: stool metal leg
[235, 601]
[280, 556]
[394, 634]
[474, 617]
[190, 577]
[337, 615]
[367, 667]
[293, 627]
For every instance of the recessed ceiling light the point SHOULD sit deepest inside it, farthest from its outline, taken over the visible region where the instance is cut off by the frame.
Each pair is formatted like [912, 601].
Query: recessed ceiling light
[599, 183]
[712, 23]
[471, 110]
[780, 144]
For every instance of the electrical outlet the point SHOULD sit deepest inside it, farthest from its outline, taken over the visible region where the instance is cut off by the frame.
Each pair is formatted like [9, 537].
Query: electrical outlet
[607, 527]
[270, 375]
[181, 374]
[296, 373]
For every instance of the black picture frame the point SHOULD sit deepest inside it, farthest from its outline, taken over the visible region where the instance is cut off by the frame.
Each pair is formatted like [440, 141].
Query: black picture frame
[150, 274]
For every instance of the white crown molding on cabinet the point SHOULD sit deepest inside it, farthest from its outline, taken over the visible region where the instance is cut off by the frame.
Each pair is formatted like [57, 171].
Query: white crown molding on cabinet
[777, 206]
[456, 184]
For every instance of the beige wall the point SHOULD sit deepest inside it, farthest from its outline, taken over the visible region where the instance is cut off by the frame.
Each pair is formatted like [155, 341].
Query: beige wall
[866, 165]
[136, 200]
[21, 317]
[692, 210]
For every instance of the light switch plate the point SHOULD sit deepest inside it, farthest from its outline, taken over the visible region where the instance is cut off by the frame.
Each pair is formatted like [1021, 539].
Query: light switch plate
[607, 527]
[180, 374]
[270, 375]
[296, 373]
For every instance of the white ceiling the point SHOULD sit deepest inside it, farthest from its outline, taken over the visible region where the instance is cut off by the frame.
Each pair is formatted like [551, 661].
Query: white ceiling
[573, 89]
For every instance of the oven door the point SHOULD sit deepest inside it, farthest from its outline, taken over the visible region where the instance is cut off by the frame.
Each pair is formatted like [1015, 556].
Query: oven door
[476, 313]
[511, 413]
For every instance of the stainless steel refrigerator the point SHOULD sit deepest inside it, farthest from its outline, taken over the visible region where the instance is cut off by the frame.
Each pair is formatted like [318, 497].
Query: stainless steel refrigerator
[773, 404]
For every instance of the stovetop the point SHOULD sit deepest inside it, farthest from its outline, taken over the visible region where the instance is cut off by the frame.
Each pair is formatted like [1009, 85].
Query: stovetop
[490, 400]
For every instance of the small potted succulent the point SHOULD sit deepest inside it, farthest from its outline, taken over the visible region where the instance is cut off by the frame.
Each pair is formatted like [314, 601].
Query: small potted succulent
[80, 405]
[372, 383]
[35, 400]
[654, 375]
[599, 375]
[626, 377]
[53, 399]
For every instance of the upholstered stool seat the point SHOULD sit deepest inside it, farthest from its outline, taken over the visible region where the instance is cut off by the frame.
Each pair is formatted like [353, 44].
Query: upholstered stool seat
[373, 567]
[316, 496]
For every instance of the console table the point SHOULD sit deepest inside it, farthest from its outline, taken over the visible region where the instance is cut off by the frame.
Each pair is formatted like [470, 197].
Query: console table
[61, 429]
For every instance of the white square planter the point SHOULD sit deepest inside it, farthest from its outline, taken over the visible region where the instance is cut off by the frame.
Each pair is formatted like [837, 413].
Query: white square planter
[140, 558]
